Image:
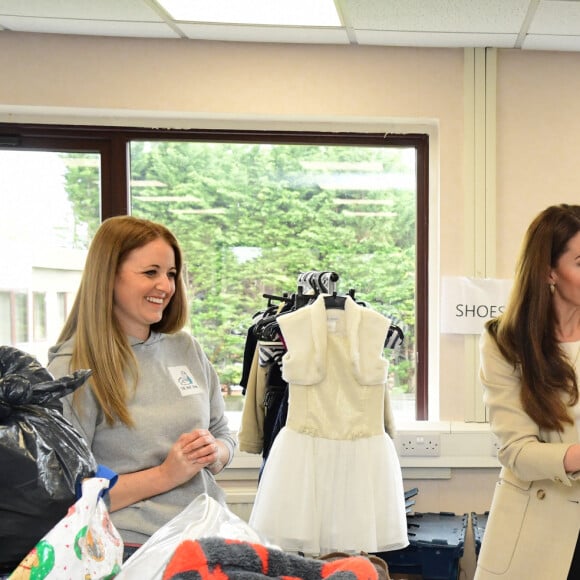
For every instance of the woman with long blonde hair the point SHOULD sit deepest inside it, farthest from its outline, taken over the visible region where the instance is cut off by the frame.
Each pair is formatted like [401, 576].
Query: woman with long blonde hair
[152, 410]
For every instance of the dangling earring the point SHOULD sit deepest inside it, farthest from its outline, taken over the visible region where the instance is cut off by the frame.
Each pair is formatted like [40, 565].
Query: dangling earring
[552, 287]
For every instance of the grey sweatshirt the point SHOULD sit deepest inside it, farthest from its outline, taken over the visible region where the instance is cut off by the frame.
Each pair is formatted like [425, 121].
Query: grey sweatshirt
[178, 391]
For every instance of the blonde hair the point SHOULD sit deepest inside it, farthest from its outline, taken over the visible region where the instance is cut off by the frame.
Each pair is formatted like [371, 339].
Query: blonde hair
[525, 332]
[99, 342]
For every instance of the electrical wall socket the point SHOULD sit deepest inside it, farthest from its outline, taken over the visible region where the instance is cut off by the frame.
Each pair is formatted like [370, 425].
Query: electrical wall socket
[419, 445]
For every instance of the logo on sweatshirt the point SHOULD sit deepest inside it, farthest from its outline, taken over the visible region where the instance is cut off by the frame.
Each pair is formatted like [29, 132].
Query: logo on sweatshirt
[184, 380]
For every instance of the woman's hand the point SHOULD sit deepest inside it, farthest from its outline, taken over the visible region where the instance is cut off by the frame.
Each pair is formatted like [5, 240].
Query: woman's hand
[199, 446]
[186, 457]
[202, 447]
[191, 453]
[572, 458]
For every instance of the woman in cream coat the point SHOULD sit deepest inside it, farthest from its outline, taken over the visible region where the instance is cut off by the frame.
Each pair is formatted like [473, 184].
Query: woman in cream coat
[529, 369]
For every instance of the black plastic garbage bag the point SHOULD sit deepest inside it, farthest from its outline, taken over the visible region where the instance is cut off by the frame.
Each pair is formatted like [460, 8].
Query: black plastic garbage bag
[42, 456]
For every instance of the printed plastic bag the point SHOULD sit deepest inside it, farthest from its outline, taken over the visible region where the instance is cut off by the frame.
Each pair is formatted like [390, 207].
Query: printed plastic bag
[83, 545]
[204, 517]
[43, 458]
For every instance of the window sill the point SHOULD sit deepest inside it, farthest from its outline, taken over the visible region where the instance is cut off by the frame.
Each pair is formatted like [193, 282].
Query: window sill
[462, 445]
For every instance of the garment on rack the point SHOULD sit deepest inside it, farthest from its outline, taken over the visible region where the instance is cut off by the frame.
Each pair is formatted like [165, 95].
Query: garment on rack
[263, 387]
[249, 349]
[266, 392]
[251, 432]
[333, 480]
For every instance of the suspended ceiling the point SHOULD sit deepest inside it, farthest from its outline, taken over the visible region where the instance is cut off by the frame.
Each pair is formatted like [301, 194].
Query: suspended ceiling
[520, 24]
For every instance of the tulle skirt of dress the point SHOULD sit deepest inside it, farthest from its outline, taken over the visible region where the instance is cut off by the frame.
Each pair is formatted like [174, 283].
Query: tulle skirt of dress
[323, 495]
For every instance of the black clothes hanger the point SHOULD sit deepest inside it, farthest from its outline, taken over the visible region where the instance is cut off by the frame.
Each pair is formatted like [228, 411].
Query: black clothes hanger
[334, 301]
[337, 301]
[309, 286]
[267, 328]
[283, 298]
[301, 299]
[395, 334]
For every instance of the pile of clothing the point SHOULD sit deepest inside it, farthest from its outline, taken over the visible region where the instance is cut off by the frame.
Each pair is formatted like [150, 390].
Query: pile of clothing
[219, 558]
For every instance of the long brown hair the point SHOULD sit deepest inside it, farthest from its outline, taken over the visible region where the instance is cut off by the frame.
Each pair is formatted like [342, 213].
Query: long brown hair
[525, 332]
[99, 342]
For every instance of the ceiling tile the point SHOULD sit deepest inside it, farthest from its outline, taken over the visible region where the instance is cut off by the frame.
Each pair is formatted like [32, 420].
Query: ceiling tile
[87, 27]
[556, 18]
[551, 42]
[138, 10]
[494, 16]
[286, 34]
[435, 39]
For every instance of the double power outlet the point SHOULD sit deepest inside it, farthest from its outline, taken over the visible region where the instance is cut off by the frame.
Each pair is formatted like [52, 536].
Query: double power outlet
[419, 444]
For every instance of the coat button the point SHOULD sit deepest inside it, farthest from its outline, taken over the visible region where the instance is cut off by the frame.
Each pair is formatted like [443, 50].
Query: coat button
[540, 494]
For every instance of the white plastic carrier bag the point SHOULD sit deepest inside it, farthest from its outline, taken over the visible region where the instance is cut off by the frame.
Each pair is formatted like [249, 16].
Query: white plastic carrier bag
[204, 517]
[83, 544]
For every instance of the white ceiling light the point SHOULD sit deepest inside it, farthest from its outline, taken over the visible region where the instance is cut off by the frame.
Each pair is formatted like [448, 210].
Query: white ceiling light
[263, 12]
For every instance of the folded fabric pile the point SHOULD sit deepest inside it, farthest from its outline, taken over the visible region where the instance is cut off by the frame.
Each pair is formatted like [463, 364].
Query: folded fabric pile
[225, 559]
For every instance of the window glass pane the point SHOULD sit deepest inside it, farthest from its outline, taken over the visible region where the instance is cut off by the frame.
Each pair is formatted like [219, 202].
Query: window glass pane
[62, 307]
[39, 315]
[252, 217]
[21, 317]
[51, 205]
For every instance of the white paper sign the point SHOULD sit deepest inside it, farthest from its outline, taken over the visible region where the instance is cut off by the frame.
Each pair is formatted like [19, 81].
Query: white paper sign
[467, 303]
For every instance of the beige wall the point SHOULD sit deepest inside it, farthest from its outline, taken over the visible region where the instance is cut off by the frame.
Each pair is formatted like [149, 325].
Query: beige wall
[228, 78]
[180, 83]
[538, 143]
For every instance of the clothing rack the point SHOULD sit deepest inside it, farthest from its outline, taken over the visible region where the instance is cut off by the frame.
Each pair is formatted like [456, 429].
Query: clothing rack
[310, 285]
[265, 337]
[322, 350]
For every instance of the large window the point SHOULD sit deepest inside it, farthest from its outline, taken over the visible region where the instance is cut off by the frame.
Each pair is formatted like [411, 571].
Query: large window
[252, 211]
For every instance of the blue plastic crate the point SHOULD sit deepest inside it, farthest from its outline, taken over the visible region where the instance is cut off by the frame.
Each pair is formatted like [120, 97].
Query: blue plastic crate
[478, 523]
[436, 542]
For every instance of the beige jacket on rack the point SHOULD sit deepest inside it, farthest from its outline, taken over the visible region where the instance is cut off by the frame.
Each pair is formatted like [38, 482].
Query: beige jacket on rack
[251, 433]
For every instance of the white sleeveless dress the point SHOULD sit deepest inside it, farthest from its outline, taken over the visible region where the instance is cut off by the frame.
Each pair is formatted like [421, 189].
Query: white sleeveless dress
[332, 481]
